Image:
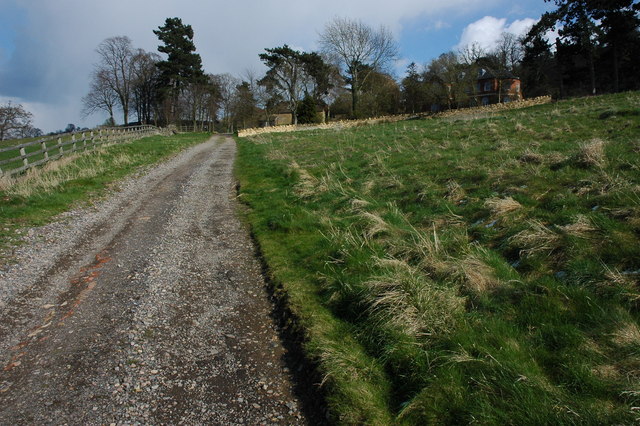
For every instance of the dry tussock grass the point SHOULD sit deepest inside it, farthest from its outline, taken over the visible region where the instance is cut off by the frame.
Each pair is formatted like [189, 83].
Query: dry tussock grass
[502, 206]
[591, 154]
[503, 146]
[477, 276]
[307, 185]
[581, 228]
[358, 204]
[627, 334]
[455, 192]
[409, 301]
[606, 372]
[340, 361]
[519, 127]
[629, 284]
[377, 225]
[276, 154]
[368, 186]
[536, 240]
[615, 277]
[555, 158]
[462, 356]
[531, 157]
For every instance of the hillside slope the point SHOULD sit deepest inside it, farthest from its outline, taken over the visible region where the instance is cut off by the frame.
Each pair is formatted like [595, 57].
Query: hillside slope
[462, 271]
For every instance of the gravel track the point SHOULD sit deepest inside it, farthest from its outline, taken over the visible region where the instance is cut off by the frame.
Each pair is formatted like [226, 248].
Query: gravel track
[149, 307]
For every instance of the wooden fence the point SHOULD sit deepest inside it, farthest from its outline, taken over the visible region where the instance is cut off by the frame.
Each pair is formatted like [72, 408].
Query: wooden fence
[203, 127]
[18, 158]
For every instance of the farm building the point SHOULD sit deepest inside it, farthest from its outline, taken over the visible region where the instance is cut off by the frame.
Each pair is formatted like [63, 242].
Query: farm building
[493, 88]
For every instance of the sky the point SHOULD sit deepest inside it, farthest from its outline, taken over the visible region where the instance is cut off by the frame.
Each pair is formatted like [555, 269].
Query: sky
[47, 47]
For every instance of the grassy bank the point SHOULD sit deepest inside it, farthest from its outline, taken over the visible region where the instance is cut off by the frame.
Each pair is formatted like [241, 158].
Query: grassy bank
[34, 198]
[462, 271]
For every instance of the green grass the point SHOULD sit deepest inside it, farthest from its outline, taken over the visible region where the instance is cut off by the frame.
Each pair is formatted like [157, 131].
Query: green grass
[12, 142]
[35, 198]
[462, 271]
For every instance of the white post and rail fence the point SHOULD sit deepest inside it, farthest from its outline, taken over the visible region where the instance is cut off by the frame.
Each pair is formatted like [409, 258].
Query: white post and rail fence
[19, 158]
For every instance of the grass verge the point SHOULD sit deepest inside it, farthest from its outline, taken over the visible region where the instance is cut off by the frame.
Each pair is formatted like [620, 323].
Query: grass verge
[462, 271]
[36, 197]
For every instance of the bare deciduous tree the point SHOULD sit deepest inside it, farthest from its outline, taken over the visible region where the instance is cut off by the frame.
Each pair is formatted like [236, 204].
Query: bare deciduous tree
[117, 63]
[509, 52]
[358, 49]
[263, 96]
[146, 77]
[471, 54]
[15, 121]
[101, 96]
[227, 86]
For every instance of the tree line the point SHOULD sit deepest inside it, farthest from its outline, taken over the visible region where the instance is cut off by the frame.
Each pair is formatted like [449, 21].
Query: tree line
[595, 50]
[145, 88]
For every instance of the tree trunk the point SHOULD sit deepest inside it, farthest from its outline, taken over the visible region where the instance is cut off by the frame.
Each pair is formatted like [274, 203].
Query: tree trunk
[592, 73]
[354, 94]
[616, 69]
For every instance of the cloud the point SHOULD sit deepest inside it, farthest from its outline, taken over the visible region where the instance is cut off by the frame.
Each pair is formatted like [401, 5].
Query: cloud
[486, 32]
[54, 43]
[438, 25]
[46, 116]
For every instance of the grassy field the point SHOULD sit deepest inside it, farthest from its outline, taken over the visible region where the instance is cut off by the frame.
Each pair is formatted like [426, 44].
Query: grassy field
[34, 198]
[462, 271]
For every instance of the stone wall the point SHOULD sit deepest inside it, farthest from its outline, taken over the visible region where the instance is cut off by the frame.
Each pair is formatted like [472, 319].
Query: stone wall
[393, 118]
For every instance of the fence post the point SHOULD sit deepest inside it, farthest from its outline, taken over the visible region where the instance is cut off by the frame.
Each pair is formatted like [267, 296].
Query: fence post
[43, 145]
[25, 160]
[84, 141]
[74, 146]
[60, 146]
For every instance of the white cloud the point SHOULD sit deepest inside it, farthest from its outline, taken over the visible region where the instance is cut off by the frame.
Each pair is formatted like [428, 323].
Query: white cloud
[521, 27]
[486, 32]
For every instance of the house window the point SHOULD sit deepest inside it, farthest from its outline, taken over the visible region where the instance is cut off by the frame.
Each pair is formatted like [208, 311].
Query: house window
[488, 86]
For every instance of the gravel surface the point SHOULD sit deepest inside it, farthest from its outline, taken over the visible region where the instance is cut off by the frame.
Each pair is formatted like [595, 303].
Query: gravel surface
[149, 307]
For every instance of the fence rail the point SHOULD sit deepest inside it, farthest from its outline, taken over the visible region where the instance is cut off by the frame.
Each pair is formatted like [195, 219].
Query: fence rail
[18, 158]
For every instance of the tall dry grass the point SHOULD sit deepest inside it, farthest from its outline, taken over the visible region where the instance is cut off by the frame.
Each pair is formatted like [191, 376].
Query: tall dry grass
[405, 299]
[54, 174]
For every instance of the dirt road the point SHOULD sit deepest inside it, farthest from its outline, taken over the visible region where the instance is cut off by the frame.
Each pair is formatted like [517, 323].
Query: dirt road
[149, 307]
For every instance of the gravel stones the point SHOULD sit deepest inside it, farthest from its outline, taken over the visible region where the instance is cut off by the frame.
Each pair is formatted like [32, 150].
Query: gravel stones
[147, 308]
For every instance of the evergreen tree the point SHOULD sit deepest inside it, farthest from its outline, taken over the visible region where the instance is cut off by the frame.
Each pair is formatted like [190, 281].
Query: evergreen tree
[182, 67]
[244, 106]
[413, 93]
[597, 44]
[307, 110]
[293, 74]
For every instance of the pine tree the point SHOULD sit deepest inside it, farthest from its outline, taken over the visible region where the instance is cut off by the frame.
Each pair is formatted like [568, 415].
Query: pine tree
[183, 66]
